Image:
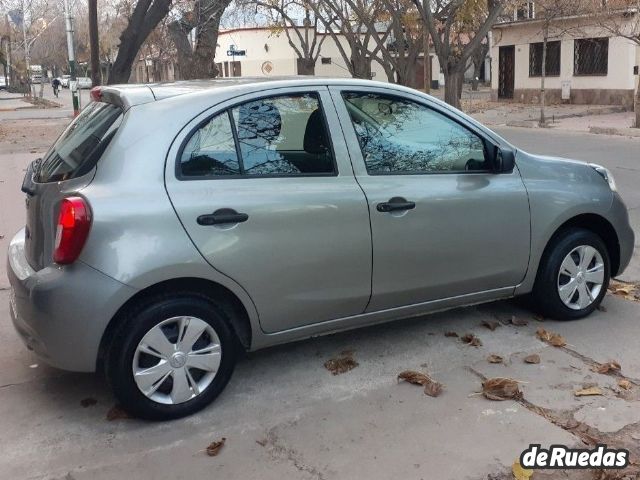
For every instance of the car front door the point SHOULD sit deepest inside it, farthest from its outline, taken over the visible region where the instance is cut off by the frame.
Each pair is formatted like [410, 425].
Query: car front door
[443, 223]
[270, 200]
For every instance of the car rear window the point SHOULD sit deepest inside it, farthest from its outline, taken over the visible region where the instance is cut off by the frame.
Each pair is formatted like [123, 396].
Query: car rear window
[81, 145]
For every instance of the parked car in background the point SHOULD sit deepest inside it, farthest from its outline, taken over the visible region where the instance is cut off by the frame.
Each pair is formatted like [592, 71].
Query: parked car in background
[3, 83]
[64, 80]
[84, 82]
[239, 214]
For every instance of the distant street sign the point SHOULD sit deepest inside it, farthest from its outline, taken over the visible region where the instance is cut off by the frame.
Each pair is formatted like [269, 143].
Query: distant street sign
[236, 53]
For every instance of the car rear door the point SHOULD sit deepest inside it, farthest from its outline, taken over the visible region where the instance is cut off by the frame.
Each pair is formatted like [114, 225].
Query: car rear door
[270, 200]
[443, 224]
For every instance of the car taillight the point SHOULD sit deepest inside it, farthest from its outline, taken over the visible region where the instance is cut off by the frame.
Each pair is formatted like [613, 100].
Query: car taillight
[74, 222]
[96, 94]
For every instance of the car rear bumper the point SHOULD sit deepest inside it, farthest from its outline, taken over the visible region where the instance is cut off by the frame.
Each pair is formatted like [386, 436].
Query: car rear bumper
[61, 313]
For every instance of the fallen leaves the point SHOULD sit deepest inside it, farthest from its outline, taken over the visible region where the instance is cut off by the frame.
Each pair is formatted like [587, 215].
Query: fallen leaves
[519, 322]
[551, 338]
[624, 384]
[214, 447]
[587, 392]
[493, 358]
[490, 324]
[519, 472]
[431, 387]
[628, 291]
[341, 364]
[534, 358]
[117, 413]
[88, 402]
[450, 334]
[471, 339]
[501, 388]
[611, 366]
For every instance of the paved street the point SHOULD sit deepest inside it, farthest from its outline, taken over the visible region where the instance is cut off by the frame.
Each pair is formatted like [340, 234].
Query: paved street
[285, 416]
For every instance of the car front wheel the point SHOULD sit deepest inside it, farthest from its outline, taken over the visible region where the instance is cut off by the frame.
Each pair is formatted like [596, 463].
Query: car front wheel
[171, 357]
[573, 275]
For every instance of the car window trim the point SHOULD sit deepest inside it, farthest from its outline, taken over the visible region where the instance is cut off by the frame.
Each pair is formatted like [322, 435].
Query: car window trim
[486, 142]
[228, 109]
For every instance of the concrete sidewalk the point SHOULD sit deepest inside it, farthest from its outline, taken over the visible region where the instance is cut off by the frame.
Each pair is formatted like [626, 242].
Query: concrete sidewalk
[527, 115]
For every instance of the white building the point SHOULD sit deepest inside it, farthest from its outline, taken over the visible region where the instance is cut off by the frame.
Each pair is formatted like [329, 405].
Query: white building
[266, 53]
[591, 65]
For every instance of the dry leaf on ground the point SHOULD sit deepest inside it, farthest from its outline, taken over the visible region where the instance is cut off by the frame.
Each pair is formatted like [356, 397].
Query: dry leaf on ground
[624, 383]
[629, 291]
[341, 364]
[214, 447]
[471, 339]
[431, 387]
[519, 322]
[501, 388]
[490, 324]
[450, 334]
[117, 413]
[88, 402]
[533, 358]
[611, 366]
[538, 318]
[493, 358]
[519, 472]
[586, 392]
[551, 338]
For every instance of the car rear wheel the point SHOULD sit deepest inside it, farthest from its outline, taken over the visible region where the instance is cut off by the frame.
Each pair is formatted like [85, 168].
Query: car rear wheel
[573, 275]
[171, 356]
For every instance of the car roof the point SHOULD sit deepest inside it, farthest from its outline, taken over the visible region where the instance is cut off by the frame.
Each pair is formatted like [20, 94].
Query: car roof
[134, 94]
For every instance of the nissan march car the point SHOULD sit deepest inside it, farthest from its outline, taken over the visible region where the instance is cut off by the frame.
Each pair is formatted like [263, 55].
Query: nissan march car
[172, 226]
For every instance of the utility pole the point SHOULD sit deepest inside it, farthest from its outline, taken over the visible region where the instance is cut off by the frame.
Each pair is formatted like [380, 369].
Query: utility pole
[73, 84]
[96, 77]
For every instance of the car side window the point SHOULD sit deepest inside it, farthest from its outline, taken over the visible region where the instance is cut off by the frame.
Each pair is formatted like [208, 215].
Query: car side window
[284, 135]
[399, 136]
[211, 150]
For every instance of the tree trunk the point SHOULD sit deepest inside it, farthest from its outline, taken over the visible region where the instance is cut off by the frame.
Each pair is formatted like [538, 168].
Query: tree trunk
[453, 87]
[96, 78]
[543, 120]
[198, 63]
[145, 17]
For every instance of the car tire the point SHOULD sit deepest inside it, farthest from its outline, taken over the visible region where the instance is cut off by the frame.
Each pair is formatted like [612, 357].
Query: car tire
[151, 350]
[574, 258]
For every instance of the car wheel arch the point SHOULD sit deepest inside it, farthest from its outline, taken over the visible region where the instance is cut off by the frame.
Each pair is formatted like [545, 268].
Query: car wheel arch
[596, 224]
[216, 292]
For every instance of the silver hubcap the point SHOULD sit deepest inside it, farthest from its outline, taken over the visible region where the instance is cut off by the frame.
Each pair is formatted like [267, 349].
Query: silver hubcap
[581, 277]
[177, 360]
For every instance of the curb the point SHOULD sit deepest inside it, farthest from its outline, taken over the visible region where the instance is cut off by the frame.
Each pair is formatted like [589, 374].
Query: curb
[626, 132]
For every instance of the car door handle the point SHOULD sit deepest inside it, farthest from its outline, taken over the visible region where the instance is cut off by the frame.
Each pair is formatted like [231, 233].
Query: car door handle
[395, 204]
[222, 216]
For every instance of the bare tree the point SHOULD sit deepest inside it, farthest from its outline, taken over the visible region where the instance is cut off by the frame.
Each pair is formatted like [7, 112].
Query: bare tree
[144, 18]
[457, 29]
[345, 24]
[197, 60]
[309, 41]
[620, 19]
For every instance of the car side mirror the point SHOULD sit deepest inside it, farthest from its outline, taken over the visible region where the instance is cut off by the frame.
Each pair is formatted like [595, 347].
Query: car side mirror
[504, 160]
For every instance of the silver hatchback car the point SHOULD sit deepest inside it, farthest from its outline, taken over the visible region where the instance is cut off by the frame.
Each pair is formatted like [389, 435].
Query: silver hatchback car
[172, 226]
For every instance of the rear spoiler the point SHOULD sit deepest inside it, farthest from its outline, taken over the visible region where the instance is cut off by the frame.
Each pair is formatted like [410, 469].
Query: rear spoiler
[124, 96]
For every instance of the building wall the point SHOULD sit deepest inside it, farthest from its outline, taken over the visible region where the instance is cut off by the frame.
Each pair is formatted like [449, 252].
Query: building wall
[269, 54]
[616, 87]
